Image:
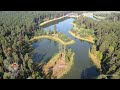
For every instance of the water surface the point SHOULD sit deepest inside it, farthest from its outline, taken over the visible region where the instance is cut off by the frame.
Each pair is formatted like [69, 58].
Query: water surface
[83, 67]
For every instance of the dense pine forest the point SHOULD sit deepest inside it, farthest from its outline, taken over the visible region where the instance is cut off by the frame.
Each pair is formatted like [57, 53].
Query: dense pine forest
[107, 42]
[18, 27]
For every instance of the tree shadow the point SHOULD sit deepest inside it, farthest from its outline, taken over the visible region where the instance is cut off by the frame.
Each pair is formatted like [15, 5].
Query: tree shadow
[47, 60]
[39, 68]
[90, 73]
[38, 57]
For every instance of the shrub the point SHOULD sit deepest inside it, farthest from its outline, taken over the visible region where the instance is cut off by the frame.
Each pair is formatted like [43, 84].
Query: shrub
[63, 37]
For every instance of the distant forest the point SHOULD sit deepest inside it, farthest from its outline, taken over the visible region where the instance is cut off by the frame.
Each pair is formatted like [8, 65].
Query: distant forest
[107, 41]
[18, 27]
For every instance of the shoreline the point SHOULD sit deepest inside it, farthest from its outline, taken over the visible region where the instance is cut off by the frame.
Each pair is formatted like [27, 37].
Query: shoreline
[99, 17]
[95, 60]
[62, 71]
[48, 21]
[53, 38]
[80, 37]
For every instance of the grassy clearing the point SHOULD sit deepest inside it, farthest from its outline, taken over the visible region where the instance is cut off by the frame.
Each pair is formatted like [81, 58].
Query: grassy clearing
[57, 67]
[95, 59]
[100, 17]
[53, 38]
[88, 39]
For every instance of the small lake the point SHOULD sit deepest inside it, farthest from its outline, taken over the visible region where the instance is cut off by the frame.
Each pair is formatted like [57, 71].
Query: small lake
[83, 67]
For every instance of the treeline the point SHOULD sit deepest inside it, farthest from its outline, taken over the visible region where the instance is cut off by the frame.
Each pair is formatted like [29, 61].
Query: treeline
[113, 16]
[16, 29]
[85, 22]
[85, 25]
[107, 42]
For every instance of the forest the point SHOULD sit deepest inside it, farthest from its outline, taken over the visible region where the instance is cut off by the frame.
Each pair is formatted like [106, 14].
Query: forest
[18, 27]
[107, 42]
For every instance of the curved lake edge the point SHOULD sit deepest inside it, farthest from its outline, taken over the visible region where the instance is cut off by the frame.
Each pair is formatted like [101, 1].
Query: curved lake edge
[81, 38]
[95, 60]
[53, 63]
[55, 19]
[70, 46]
[53, 38]
[84, 39]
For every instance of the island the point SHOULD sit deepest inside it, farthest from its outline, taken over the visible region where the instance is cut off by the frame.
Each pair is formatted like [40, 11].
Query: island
[59, 65]
[54, 35]
[82, 33]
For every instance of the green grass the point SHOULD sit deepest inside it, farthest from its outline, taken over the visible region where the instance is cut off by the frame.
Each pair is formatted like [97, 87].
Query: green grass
[55, 38]
[99, 17]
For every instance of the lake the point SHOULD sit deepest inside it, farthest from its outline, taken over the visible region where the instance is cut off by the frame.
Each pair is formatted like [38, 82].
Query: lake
[83, 67]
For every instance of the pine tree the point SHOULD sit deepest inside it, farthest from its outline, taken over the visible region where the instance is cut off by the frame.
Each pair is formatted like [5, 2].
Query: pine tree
[55, 29]
[6, 76]
[16, 59]
[93, 49]
[1, 59]
[26, 38]
[26, 57]
[30, 64]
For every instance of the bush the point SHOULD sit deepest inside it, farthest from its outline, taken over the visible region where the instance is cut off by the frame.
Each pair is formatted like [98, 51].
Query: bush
[63, 37]
[68, 55]
[99, 55]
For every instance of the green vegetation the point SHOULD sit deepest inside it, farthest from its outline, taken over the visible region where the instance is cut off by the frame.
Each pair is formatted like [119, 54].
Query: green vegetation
[54, 35]
[96, 58]
[60, 64]
[63, 37]
[107, 37]
[16, 29]
[99, 17]
[55, 38]
[81, 31]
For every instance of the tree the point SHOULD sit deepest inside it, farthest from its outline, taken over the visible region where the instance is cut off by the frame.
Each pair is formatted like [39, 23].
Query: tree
[14, 46]
[1, 59]
[102, 47]
[26, 57]
[55, 29]
[93, 49]
[1, 72]
[30, 64]
[110, 50]
[60, 48]
[16, 28]
[6, 76]
[21, 71]
[99, 55]
[36, 75]
[26, 38]
[49, 31]
[16, 59]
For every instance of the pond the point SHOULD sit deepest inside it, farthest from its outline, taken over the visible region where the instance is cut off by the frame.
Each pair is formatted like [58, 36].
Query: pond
[83, 67]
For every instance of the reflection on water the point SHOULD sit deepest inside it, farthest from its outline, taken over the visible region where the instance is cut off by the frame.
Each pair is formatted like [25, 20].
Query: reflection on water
[88, 73]
[45, 49]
